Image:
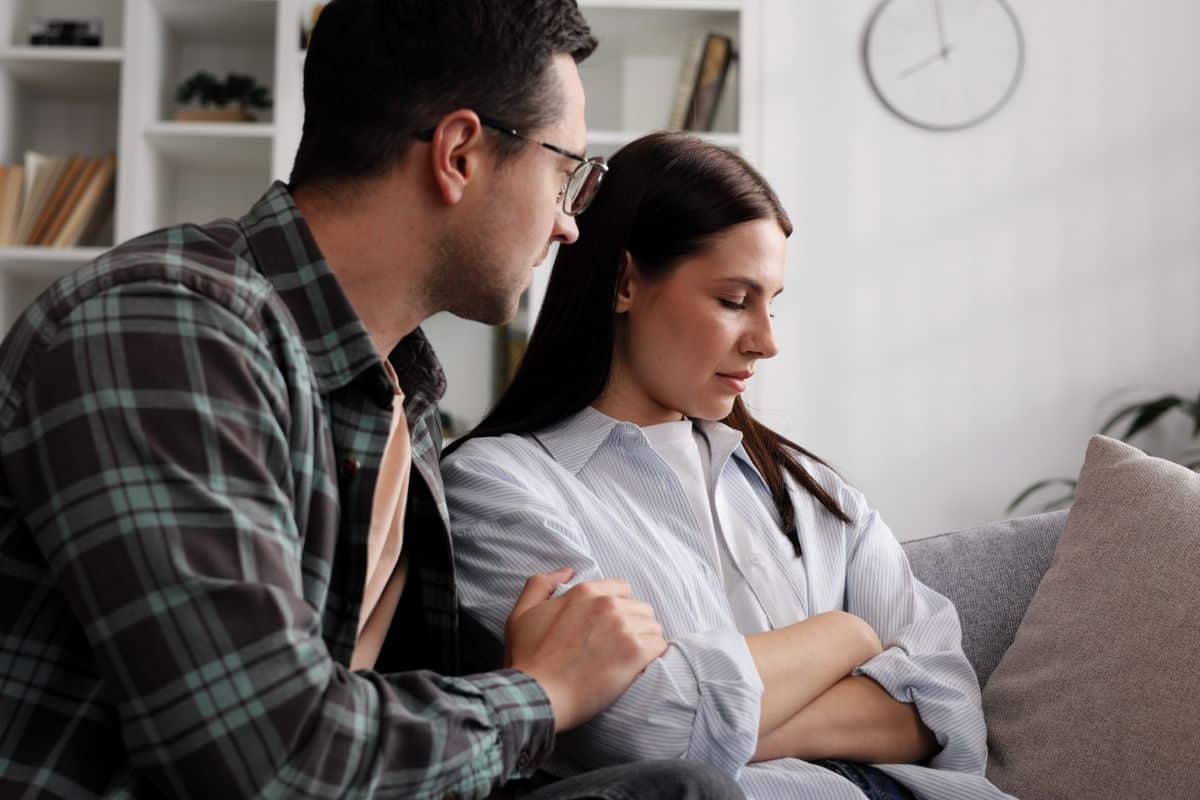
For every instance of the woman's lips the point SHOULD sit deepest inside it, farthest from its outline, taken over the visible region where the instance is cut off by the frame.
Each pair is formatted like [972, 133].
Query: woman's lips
[735, 380]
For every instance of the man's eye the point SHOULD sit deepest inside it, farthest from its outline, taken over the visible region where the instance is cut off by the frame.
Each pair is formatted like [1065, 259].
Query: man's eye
[736, 305]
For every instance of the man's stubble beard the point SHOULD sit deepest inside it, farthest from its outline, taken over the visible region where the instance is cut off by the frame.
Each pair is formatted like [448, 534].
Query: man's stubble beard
[469, 280]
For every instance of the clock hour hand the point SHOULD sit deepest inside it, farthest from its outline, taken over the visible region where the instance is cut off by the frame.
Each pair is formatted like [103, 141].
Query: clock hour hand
[925, 62]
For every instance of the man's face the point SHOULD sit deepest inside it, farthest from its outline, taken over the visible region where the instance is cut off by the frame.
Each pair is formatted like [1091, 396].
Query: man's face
[520, 215]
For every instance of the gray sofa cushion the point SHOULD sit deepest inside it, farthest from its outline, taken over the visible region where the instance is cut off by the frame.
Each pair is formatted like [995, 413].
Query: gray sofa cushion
[990, 574]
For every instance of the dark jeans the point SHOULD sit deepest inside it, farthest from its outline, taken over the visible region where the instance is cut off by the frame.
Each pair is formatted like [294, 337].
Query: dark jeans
[874, 784]
[668, 780]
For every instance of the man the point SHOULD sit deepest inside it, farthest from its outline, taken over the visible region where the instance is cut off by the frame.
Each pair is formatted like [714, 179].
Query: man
[218, 497]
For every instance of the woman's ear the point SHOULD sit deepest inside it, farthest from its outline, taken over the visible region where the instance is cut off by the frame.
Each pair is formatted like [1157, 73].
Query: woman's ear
[625, 283]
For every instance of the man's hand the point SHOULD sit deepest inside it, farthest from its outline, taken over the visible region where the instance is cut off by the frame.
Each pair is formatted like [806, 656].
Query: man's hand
[584, 648]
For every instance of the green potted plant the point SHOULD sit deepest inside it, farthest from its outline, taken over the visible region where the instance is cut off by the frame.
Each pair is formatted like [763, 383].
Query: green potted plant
[209, 99]
[1141, 416]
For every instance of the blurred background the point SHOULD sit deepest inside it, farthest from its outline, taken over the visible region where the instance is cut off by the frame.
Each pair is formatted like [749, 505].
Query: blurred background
[997, 204]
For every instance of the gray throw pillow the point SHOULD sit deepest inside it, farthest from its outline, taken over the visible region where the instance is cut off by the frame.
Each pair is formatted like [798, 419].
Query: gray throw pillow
[1099, 694]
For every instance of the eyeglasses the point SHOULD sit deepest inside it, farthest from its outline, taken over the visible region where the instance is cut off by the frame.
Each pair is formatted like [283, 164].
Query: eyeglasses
[580, 187]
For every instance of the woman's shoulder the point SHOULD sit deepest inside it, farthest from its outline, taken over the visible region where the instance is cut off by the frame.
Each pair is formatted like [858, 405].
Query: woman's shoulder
[507, 450]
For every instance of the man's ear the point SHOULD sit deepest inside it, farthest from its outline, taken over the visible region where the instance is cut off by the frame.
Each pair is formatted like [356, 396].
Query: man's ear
[626, 283]
[456, 153]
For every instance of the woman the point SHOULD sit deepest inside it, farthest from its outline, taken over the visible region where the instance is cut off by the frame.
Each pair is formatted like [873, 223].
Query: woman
[802, 647]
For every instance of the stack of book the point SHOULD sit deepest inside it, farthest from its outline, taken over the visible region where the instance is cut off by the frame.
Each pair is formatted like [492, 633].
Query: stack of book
[55, 201]
[702, 82]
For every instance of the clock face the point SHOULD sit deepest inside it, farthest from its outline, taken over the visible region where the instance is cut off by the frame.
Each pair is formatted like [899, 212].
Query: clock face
[944, 64]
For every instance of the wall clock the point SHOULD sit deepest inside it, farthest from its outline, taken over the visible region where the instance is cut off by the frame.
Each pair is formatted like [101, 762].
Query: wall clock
[943, 65]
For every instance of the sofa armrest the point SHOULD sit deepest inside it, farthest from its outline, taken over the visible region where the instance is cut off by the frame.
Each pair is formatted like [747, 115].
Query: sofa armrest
[990, 574]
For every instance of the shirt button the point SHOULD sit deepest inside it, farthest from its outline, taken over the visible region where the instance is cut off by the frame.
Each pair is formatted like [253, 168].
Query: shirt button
[349, 467]
[523, 759]
[756, 559]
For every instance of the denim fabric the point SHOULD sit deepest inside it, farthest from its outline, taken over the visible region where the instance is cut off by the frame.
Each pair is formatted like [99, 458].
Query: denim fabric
[653, 780]
[874, 784]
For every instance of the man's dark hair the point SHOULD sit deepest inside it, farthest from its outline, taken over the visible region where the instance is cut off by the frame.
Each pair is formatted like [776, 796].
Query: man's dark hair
[379, 70]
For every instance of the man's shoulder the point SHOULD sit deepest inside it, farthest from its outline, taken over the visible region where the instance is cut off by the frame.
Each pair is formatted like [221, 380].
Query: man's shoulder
[213, 260]
[188, 265]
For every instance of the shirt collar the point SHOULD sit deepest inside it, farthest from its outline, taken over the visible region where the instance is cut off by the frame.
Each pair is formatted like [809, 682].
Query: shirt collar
[337, 342]
[573, 441]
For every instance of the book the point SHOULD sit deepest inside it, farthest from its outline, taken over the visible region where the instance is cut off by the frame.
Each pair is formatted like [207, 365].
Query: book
[12, 187]
[41, 176]
[710, 83]
[67, 205]
[69, 176]
[94, 204]
[687, 82]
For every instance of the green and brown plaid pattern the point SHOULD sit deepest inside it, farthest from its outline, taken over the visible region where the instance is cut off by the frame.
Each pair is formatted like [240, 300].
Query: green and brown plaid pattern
[190, 432]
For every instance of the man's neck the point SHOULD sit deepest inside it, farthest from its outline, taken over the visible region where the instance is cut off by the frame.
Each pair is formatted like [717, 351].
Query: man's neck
[380, 252]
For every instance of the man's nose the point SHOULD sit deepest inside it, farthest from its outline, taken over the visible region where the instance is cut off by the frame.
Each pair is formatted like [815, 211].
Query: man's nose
[565, 229]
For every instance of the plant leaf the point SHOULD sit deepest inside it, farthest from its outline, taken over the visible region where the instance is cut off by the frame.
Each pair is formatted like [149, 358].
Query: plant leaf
[1037, 487]
[1120, 415]
[1149, 413]
[1061, 502]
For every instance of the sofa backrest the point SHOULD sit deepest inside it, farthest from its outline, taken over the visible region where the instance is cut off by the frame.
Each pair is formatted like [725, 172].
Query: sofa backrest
[990, 574]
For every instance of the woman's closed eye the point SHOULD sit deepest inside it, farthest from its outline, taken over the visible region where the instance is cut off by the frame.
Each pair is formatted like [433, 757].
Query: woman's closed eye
[738, 305]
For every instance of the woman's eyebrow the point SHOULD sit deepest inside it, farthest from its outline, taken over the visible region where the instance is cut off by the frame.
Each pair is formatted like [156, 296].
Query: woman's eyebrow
[751, 284]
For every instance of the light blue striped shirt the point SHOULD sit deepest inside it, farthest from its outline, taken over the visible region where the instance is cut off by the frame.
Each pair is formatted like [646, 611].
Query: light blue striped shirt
[593, 494]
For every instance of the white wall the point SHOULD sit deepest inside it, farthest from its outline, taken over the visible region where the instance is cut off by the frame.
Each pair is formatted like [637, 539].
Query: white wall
[963, 310]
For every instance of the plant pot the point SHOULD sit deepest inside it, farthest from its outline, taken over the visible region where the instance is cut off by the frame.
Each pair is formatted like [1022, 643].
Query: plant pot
[236, 114]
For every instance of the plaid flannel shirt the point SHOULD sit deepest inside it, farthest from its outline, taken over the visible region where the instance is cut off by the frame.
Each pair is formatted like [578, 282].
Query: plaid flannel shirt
[190, 431]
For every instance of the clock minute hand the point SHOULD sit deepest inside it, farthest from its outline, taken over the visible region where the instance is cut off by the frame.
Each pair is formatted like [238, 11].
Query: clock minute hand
[941, 26]
[925, 62]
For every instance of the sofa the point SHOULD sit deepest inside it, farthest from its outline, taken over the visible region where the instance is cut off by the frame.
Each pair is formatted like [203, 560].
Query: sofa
[990, 574]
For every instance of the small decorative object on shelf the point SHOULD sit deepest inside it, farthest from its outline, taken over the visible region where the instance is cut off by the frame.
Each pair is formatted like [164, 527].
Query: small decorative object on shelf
[229, 100]
[52, 31]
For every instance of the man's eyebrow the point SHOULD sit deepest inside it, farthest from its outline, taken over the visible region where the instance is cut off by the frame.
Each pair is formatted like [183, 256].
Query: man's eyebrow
[750, 283]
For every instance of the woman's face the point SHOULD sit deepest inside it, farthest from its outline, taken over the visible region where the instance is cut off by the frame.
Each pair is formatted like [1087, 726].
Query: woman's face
[687, 343]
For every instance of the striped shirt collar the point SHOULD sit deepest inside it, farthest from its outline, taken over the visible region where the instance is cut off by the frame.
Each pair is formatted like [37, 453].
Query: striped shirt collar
[573, 441]
[338, 344]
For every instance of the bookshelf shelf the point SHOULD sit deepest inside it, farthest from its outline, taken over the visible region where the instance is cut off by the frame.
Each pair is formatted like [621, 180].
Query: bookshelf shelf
[87, 55]
[65, 72]
[47, 262]
[213, 145]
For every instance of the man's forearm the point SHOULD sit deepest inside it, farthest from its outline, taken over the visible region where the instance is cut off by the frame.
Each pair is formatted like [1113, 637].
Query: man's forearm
[855, 719]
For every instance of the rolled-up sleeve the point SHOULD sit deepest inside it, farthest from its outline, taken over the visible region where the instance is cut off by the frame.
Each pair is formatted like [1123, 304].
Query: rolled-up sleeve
[923, 662]
[700, 700]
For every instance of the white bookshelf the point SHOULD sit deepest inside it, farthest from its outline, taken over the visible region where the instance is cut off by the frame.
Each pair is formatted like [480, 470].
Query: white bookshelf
[119, 97]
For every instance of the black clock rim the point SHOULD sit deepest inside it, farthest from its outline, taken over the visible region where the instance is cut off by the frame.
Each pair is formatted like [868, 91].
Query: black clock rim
[931, 126]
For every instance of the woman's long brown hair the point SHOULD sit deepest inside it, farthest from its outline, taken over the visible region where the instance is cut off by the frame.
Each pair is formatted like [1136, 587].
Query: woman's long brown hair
[666, 196]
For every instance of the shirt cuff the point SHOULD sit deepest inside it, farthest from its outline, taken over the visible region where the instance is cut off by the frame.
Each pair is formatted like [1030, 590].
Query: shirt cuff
[728, 698]
[523, 716]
